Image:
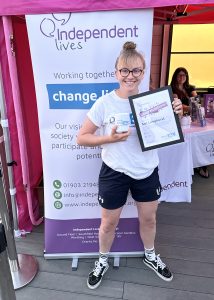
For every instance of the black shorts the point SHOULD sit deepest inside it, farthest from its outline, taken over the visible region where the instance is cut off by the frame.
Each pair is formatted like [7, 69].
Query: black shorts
[114, 187]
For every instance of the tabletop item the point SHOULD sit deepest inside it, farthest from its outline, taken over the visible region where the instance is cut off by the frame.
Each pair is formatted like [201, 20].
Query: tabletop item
[209, 105]
[201, 116]
[197, 112]
[122, 120]
[186, 122]
[194, 101]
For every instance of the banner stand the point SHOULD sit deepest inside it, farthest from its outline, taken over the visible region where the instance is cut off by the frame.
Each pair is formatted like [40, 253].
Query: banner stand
[5, 128]
[69, 78]
[75, 257]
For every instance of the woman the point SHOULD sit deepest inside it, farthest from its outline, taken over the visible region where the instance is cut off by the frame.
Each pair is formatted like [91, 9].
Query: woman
[183, 90]
[125, 167]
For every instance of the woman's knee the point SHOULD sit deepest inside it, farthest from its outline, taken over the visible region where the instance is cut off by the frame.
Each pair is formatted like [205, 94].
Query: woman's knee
[108, 226]
[149, 221]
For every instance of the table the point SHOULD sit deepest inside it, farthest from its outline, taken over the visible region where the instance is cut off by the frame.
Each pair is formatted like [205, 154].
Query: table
[202, 143]
[177, 162]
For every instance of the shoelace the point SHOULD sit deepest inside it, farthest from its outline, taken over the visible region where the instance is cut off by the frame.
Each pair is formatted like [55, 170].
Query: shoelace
[98, 268]
[159, 262]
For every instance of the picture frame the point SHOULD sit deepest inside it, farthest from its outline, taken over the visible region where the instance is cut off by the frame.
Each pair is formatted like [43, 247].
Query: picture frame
[156, 123]
[209, 105]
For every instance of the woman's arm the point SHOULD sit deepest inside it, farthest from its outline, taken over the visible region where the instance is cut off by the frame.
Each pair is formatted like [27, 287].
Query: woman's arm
[186, 109]
[87, 136]
[194, 93]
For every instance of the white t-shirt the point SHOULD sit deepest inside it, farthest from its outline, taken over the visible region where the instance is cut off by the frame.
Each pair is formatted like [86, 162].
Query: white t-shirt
[124, 156]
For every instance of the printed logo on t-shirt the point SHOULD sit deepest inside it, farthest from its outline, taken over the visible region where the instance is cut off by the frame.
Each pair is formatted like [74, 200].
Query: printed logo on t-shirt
[112, 119]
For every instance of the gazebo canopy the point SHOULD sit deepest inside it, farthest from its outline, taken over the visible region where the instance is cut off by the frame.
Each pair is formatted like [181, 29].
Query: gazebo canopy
[17, 69]
[166, 11]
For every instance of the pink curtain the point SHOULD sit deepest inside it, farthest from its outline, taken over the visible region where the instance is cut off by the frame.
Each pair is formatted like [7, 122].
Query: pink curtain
[24, 181]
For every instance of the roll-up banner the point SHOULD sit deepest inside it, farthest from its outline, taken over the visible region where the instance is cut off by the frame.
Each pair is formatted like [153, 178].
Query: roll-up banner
[73, 58]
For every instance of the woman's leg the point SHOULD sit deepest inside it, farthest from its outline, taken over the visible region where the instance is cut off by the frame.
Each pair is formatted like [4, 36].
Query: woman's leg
[109, 222]
[147, 222]
[203, 172]
[147, 218]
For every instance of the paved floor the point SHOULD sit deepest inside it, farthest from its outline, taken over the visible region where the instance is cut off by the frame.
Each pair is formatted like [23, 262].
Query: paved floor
[184, 239]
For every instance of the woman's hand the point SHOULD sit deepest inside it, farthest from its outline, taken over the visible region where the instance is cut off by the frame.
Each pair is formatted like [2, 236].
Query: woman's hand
[177, 107]
[118, 137]
[87, 136]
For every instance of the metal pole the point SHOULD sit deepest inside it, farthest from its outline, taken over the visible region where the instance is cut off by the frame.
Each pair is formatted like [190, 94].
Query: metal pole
[23, 267]
[11, 246]
[6, 284]
[4, 123]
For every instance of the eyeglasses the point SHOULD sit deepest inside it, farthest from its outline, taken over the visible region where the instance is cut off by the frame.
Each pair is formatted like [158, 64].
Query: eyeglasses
[182, 75]
[136, 72]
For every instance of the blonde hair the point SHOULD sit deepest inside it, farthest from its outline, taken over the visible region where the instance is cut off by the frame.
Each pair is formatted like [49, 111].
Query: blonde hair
[128, 53]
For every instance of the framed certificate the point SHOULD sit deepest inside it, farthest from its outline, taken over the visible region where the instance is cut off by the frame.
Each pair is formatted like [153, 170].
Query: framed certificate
[156, 123]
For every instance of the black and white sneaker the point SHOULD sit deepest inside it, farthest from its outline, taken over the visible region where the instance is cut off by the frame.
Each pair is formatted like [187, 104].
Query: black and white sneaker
[95, 277]
[159, 267]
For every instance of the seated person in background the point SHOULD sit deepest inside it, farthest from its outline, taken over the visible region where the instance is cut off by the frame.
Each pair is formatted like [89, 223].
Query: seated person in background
[181, 87]
[183, 90]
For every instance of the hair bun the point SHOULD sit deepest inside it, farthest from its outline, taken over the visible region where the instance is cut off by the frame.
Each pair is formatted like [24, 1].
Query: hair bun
[129, 46]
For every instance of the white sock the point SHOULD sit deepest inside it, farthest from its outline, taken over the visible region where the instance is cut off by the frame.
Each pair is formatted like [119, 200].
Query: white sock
[103, 258]
[150, 253]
